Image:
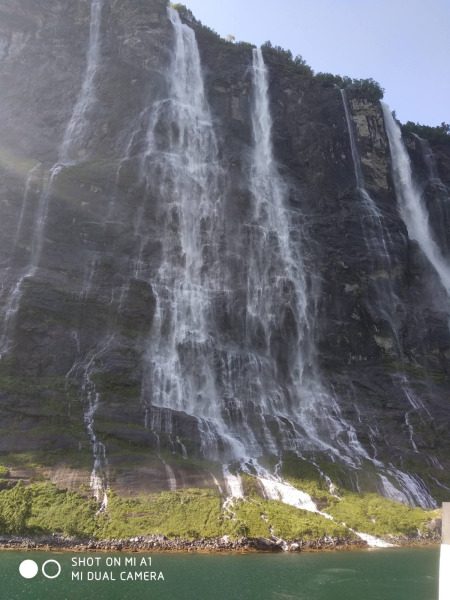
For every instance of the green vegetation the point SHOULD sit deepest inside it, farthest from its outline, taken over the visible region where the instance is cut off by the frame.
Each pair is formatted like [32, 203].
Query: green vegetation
[440, 133]
[30, 385]
[190, 514]
[251, 486]
[309, 478]
[368, 89]
[282, 57]
[182, 9]
[379, 516]
[261, 518]
[15, 509]
[36, 460]
[4, 472]
[41, 508]
[188, 16]
[59, 511]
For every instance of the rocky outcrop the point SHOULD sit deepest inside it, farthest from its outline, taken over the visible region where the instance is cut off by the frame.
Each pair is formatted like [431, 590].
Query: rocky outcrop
[76, 323]
[158, 543]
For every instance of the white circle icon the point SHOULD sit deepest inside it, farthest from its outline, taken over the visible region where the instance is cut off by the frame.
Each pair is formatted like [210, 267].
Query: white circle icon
[54, 575]
[28, 569]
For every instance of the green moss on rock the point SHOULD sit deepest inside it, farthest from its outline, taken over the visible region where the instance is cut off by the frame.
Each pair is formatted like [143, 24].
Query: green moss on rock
[187, 514]
[379, 516]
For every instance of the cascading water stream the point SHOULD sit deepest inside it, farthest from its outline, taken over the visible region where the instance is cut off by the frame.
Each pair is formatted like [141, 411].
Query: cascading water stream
[84, 370]
[74, 140]
[77, 130]
[430, 162]
[377, 240]
[436, 196]
[12, 302]
[275, 264]
[188, 370]
[278, 289]
[31, 183]
[182, 351]
[412, 208]
[180, 360]
[277, 489]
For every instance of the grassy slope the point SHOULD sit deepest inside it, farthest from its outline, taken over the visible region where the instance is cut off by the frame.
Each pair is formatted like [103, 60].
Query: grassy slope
[193, 513]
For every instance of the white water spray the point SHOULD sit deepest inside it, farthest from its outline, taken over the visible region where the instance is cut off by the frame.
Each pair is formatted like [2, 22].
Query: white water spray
[77, 130]
[377, 239]
[180, 361]
[278, 290]
[73, 140]
[412, 208]
[85, 369]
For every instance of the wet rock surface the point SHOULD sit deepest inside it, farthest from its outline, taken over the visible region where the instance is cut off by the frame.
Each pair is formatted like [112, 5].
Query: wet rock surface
[87, 304]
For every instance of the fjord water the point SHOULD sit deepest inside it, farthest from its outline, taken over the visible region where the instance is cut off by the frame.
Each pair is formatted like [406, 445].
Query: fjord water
[406, 574]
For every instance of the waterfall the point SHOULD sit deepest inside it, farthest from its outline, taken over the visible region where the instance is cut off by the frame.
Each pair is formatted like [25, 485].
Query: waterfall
[30, 184]
[359, 177]
[183, 165]
[234, 393]
[277, 489]
[278, 294]
[77, 131]
[233, 484]
[412, 209]
[74, 138]
[378, 245]
[430, 162]
[436, 196]
[12, 301]
[74, 141]
[84, 369]
[384, 301]
[244, 408]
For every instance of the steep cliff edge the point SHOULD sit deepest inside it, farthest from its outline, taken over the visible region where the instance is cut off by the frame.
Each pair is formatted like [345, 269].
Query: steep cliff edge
[96, 251]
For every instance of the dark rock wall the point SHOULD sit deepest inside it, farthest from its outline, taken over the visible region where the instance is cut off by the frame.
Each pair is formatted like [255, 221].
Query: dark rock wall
[84, 304]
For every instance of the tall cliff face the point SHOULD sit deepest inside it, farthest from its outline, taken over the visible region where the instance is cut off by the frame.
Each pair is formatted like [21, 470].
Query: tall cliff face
[204, 260]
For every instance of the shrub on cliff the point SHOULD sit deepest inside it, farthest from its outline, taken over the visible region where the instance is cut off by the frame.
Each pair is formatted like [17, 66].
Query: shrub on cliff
[440, 133]
[368, 89]
[184, 11]
[379, 516]
[15, 509]
[280, 56]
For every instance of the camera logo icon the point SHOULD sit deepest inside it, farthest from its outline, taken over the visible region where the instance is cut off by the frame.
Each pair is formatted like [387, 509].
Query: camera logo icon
[51, 569]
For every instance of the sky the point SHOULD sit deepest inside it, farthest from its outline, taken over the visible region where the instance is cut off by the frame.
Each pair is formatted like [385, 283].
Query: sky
[402, 44]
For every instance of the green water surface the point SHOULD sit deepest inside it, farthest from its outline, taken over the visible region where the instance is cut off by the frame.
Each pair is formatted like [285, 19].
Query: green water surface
[396, 574]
